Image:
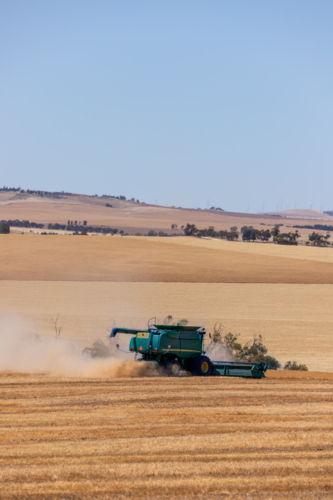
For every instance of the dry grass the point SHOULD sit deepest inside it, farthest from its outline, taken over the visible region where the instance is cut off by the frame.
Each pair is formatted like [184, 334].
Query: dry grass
[167, 438]
[158, 437]
[303, 253]
[295, 320]
[88, 258]
[134, 217]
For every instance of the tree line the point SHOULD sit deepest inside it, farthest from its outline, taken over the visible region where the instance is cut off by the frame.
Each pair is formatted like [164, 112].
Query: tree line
[251, 234]
[320, 227]
[22, 223]
[192, 230]
[74, 226]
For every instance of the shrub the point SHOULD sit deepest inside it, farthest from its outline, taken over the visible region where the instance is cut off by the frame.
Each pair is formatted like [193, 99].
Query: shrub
[272, 363]
[254, 351]
[98, 350]
[294, 366]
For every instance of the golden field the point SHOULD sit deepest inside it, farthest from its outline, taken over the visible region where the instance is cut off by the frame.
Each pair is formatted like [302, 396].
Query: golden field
[167, 438]
[295, 320]
[113, 433]
[144, 259]
[94, 283]
[140, 217]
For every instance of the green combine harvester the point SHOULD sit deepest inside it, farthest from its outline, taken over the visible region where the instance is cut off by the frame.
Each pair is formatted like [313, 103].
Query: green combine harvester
[178, 348]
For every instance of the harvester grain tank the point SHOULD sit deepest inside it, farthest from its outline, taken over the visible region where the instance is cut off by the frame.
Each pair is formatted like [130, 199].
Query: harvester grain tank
[178, 348]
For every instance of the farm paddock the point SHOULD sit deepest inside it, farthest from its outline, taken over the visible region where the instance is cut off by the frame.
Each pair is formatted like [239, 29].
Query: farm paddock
[167, 438]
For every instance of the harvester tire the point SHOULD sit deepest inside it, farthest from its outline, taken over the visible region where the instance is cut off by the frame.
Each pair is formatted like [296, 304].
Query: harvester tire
[173, 368]
[201, 366]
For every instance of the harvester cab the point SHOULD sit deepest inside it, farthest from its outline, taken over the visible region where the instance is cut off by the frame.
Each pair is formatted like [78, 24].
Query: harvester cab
[178, 348]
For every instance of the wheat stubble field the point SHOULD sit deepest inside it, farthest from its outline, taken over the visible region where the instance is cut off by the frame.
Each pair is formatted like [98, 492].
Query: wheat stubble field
[167, 438]
[156, 437]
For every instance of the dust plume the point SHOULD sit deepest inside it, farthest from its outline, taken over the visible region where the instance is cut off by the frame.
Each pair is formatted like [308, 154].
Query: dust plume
[24, 352]
[219, 352]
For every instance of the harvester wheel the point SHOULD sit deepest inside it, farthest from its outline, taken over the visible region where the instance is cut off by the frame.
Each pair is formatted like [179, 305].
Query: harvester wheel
[201, 366]
[173, 368]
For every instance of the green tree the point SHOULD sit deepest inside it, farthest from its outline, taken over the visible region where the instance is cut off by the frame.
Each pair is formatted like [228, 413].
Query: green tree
[265, 235]
[245, 227]
[319, 240]
[250, 234]
[4, 228]
[254, 351]
[232, 236]
[287, 238]
[275, 231]
[190, 230]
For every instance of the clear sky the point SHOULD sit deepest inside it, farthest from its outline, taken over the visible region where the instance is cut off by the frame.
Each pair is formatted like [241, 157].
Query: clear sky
[180, 102]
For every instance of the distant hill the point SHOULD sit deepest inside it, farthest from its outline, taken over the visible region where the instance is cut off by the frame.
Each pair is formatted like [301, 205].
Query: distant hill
[303, 214]
[131, 216]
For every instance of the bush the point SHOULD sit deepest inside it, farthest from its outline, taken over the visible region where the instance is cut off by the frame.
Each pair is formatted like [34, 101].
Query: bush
[98, 350]
[254, 351]
[272, 363]
[294, 366]
[4, 228]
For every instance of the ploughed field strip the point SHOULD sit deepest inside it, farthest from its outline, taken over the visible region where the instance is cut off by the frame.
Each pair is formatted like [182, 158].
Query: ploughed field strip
[167, 437]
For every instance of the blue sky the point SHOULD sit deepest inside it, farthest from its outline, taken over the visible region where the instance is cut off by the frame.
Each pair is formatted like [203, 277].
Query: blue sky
[186, 103]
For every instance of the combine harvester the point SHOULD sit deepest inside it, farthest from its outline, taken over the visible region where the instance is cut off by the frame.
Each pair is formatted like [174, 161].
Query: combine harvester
[178, 348]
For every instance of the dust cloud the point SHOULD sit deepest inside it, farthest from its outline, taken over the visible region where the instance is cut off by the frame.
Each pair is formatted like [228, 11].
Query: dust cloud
[218, 352]
[22, 351]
